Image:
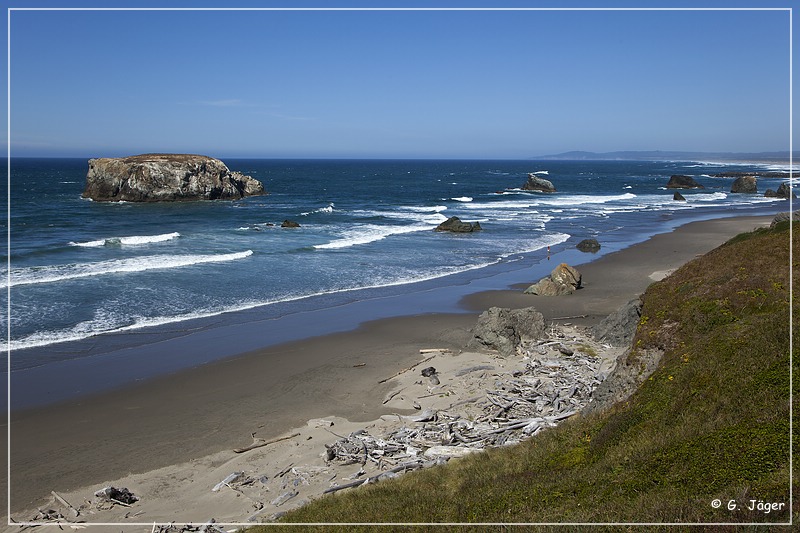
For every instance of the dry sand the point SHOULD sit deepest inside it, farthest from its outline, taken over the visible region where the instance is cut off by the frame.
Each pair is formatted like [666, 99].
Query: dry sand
[169, 440]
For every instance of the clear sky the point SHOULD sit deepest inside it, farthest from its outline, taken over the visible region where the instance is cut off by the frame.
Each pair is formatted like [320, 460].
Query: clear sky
[406, 84]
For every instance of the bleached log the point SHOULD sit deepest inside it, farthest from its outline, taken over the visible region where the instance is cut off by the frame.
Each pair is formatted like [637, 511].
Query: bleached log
[258, 443]
[409, 368]
[283, 498]
[65, 503]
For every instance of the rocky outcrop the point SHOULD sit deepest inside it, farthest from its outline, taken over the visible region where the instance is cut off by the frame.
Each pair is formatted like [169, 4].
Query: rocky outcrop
[737, 173]
[745, 184]
[455, 225]
[535, 183]
[678, 197]
[504, 329]
[289, 224]
[166, 178]
[626, 378]
[589, 246]
[618, 328]
[564, 279]
[784, 217]
[784, 191]
[680, 181]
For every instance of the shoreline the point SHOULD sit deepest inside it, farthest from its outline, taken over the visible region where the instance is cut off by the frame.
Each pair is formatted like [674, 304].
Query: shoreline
[205, 410]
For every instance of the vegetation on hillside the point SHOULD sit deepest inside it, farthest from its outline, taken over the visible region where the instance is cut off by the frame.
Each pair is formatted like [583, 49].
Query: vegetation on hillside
[712, 422]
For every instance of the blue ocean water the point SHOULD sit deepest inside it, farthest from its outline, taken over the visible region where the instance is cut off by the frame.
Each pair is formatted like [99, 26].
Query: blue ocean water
[83, 270]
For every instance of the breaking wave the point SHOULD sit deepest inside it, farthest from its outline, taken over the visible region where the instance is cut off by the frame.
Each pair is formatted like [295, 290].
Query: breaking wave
[56, 273]
[128, 241]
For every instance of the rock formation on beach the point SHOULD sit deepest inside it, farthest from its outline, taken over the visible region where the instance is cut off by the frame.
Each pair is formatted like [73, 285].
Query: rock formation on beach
[564, 279]
[589, 246]
[679, 181]
[619, 327]
[784, 191]
[535, 183]
[166, 178]
[784, 217]
[455, 225]
[504, 329]
[745, 184]
[678, 197]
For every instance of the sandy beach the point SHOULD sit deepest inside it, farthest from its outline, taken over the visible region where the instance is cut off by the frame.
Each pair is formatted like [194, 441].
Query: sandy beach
[170, 439]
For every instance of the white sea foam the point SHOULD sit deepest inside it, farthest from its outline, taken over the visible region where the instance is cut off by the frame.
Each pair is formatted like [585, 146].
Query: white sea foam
[134, 240]
[533, 200]
[543, 172]
[423, 209]
[462, 199]
[327, 209]
[56, 273]
[426, 215]
[367, 233]
[706, 197]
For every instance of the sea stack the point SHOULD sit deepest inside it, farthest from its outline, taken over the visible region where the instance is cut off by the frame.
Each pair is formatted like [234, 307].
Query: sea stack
[535, 183]
[166, 178]
[745, 185]
[679, 181]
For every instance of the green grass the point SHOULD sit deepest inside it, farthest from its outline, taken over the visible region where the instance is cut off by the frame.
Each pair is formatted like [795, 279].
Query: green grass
[711, 422]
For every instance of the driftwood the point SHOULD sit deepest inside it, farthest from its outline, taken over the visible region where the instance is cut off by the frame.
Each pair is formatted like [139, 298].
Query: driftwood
[406, 467]
[65, 503]
[392, 395]
[432, 350]
[258, 443]
[411, 367]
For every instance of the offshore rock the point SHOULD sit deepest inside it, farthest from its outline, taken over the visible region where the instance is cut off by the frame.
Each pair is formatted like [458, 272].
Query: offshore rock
[680, 181]
[745, 184]
[784, 191]
[289, 224]
[678, 197]
[589, 246]
[564, 279]
[455, 224]
[166, 178]
[535, 183]
[504, 329]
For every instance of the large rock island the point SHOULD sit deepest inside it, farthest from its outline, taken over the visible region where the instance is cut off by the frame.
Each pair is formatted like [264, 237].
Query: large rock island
[166, 178]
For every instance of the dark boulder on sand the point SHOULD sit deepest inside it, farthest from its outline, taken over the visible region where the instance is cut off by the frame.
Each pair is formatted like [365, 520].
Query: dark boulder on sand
[504, 329]
[166, 178]
[678, 197]
[455, 225]
[564, 279]
[745, 185]
[680, 181]
[589, 246]
[535, 183]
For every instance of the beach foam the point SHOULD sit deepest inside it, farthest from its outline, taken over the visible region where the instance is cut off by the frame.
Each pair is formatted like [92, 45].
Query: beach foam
[128, 241]
[56, 273]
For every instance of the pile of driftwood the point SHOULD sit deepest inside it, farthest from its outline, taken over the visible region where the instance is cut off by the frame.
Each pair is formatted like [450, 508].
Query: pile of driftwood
[556, 382]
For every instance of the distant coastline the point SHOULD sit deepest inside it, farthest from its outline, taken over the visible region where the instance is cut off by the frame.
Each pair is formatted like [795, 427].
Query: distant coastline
[661, 155]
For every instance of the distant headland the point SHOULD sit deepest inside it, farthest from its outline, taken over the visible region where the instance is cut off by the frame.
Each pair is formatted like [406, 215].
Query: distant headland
[166, 178]
[660, 155]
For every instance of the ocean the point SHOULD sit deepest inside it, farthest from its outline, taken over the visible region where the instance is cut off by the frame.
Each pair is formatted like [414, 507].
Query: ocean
[89, 279]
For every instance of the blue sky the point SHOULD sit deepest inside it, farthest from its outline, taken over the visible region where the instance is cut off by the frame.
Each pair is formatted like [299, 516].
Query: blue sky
[406, 84]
